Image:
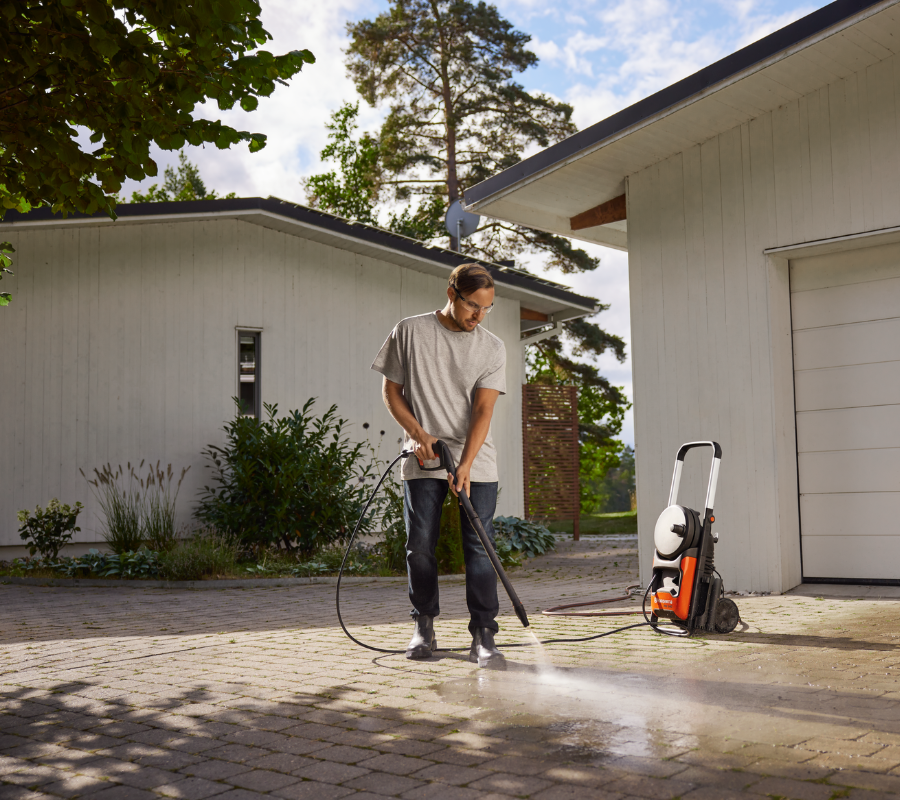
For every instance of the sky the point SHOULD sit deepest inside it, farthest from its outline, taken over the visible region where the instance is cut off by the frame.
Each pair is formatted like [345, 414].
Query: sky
[599, 55]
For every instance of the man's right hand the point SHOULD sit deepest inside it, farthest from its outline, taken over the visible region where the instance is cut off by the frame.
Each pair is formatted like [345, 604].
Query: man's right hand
[423, 448]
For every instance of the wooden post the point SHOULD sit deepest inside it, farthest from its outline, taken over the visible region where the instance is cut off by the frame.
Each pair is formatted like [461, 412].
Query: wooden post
[576, 484]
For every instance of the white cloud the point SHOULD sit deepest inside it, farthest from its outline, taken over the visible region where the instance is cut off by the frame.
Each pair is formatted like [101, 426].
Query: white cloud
[294, 116]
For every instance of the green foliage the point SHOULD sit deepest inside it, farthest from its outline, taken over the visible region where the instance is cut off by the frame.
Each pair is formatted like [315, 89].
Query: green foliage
[508, 555]
[601, 412]
[133, 564]
[600, 524]
[48, 530]
[130, 72]
[528, 538]
[424, 222]
[137, 510]
[392, 549]
[185, 184]
[351, 191]
[294, 481]
[208, 554]
[6, 250]
[360, 561]
[449, 551]
[618, 486]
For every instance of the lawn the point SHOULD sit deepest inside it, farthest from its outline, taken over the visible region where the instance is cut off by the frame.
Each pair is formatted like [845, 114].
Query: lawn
[600, 524]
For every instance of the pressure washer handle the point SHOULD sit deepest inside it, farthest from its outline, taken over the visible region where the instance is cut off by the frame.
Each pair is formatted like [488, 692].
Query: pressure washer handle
[447, 463]
[713, 472]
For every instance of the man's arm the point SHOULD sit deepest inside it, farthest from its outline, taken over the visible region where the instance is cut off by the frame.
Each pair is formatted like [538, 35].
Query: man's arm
[479, 425]
[401, 412]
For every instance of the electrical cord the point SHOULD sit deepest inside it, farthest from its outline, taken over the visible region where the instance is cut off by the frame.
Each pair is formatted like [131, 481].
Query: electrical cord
[337, 593]
[658, 628]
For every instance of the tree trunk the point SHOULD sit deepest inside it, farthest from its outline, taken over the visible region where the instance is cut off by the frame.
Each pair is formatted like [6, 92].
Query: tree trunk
[453, 191]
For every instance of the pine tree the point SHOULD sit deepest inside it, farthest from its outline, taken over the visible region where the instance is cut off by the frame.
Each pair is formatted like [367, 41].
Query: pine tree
[183, 184]
[456, 116]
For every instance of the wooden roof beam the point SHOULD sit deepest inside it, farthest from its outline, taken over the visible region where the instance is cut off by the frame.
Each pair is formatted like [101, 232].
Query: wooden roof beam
[535, 316]
[610, 211]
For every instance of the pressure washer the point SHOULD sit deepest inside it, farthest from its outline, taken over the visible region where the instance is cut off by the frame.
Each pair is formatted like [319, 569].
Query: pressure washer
[686, 595]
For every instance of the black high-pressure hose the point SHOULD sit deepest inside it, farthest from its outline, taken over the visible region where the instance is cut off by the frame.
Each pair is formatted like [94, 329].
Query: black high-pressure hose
[447, 464]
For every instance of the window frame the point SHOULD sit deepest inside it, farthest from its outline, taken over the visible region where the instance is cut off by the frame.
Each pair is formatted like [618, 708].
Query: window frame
[256, 333]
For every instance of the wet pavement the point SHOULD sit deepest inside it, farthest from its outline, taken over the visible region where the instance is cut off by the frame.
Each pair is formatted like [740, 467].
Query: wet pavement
[239, 693]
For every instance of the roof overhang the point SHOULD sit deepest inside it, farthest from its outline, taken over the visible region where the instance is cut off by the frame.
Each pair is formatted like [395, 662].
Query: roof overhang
[548, 299]
[587, 172]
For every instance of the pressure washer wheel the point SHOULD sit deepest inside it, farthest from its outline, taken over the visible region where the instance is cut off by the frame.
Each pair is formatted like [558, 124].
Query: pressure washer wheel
[727, 615]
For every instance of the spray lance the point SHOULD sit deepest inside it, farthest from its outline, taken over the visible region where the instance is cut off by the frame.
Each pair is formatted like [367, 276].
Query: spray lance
[445, 464]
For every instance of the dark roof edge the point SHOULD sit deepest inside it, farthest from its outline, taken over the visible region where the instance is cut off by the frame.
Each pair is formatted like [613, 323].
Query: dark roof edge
[731, 65]
[325, 221]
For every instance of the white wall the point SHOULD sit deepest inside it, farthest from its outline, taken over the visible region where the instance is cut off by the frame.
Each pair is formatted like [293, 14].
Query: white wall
[120, 345]
[709, 309]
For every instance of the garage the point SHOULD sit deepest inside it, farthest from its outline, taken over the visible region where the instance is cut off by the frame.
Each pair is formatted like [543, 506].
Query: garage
[845, 310]
[759, 203]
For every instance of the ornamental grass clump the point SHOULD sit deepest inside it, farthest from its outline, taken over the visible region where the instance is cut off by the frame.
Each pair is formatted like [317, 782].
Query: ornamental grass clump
[137, 510]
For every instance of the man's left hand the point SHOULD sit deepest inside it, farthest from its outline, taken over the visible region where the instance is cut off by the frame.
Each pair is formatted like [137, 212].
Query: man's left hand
[462, 479]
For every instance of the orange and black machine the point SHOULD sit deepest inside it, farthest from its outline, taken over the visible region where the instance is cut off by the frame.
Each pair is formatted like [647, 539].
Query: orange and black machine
[685, 588]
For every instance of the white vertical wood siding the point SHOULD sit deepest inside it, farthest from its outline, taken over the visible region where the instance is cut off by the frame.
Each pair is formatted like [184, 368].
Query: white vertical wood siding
[120, 345]
[705, 303]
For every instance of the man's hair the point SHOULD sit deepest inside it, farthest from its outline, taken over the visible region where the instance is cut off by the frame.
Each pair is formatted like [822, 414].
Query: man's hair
[468, 278]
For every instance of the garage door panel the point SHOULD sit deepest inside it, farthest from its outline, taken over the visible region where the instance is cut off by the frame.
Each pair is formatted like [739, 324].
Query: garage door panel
[847, 387]
[857, 302]
[842, 269]
[851, 515]
[843, 345]
[845, 311]
[848, 429]
[849, 471]
[861, 558]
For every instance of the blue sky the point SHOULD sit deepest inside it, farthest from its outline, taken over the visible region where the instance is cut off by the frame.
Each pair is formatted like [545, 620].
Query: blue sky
[598, 55]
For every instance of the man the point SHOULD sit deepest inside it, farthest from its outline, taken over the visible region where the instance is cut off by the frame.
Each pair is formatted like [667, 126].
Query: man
[443, 373]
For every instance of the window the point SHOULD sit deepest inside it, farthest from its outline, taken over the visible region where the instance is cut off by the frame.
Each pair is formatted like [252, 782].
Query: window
[248, 373]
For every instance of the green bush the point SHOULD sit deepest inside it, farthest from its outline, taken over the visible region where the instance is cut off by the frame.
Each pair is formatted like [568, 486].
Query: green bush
[392, 548]
[48, 530]
[449, 551]
[295, 481]
[528, 538]
[207, 554]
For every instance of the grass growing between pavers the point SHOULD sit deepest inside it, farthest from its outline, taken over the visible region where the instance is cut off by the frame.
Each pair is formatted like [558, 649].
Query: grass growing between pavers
[600, 524]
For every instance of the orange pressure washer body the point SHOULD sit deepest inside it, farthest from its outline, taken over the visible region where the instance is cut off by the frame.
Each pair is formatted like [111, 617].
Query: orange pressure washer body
[685, 588]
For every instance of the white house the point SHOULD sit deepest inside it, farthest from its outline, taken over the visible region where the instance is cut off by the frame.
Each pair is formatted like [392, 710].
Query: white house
[127, 340]
[759, 202]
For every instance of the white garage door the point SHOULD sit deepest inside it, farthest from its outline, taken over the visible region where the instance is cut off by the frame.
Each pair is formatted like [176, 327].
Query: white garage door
[846, 319]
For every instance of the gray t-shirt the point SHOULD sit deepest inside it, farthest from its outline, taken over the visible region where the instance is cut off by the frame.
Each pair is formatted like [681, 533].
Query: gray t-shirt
[440, 370]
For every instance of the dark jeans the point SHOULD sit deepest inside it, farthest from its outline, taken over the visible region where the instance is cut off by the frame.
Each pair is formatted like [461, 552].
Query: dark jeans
[422, 514]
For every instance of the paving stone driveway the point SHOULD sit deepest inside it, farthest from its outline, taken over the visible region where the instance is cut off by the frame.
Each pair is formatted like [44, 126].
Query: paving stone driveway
[235, 694]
